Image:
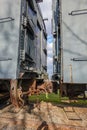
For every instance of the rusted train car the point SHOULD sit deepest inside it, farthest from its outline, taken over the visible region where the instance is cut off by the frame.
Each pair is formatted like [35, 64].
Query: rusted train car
[23, 49]
[70, 46]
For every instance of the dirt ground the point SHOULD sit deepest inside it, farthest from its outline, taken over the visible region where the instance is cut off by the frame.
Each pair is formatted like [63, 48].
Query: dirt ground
[44, 116]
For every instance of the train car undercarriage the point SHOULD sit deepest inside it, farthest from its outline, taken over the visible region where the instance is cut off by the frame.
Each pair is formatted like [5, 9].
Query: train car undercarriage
[73, 90]
[19, 90]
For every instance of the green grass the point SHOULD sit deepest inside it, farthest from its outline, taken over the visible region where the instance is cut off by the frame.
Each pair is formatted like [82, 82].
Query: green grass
[80, 103]
[56, 98]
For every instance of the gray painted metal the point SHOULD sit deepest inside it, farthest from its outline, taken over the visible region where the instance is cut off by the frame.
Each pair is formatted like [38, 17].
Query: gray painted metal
[20, 43]
[74, 41]
[57, 39]
[9, 37]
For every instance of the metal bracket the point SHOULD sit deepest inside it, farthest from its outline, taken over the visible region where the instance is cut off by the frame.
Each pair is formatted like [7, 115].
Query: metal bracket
[7, 19]
[78, 12]
[5, 59]
[79, 59]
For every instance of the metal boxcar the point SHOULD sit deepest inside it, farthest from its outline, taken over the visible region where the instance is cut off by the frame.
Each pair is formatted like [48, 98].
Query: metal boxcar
[22, 37]
[70, 59]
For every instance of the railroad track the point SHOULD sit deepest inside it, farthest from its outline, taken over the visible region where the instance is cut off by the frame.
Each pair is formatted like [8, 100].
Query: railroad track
[35, 125]
[71, 114]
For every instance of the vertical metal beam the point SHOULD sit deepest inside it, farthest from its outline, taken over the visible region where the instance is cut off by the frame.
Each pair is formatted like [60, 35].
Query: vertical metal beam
[41, 47]
[13, 93]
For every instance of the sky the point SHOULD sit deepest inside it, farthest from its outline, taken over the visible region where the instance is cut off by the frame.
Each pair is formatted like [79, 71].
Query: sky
[46, 8]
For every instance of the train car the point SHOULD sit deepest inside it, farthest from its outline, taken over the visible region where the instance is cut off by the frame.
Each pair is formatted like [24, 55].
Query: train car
[70, 46]
[23, 40]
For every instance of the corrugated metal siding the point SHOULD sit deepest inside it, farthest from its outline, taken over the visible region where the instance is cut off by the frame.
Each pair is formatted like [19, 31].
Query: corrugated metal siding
[74, 40]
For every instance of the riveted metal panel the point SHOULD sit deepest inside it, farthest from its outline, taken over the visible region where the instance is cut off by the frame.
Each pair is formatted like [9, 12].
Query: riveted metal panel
[74, 40]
